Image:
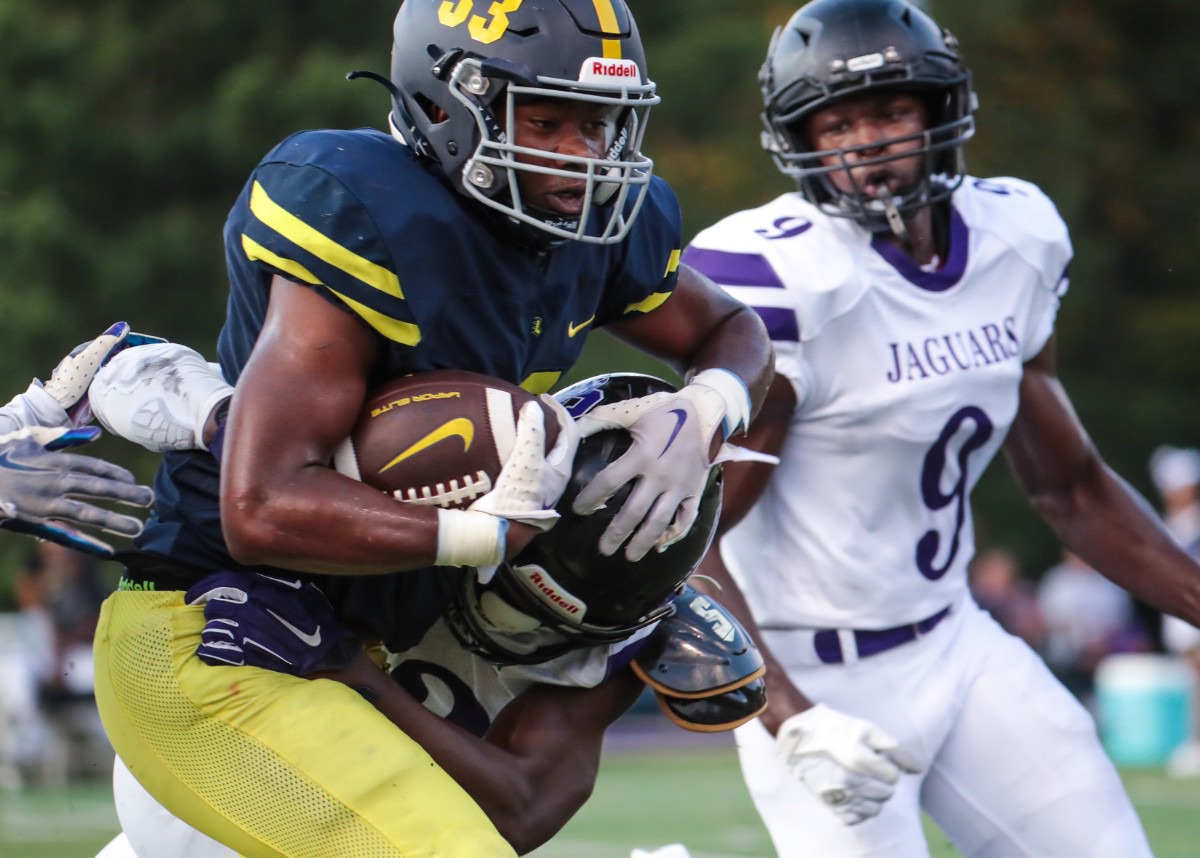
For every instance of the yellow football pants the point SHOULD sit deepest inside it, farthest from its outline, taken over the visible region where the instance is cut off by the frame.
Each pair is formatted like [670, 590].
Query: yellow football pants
[269, 764]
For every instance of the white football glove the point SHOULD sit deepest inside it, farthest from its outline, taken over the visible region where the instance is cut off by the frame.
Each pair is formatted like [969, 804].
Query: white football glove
[62, 401]
[158, 396]
[528, 488]
[850, 764]
[40, 489]
[669, 459]
[531, 480]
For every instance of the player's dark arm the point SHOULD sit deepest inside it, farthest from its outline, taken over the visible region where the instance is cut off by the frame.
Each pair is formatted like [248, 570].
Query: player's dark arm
[538, 763]
[744, 484]
[700, 327]
[297, 399]
[1092, 510]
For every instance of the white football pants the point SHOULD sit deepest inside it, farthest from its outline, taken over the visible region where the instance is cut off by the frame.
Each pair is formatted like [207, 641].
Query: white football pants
[1012, 764]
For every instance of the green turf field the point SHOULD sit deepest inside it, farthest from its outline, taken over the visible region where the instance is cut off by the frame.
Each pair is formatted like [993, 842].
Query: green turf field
[644, 799]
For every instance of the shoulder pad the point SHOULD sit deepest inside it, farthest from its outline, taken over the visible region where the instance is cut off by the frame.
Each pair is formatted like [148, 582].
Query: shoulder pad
[700, 649]
[702, 666]
[717, 713]
[706, 670]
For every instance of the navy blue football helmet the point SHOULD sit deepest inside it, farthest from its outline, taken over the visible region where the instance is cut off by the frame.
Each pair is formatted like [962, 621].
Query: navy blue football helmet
[459, 67]
[560, 593]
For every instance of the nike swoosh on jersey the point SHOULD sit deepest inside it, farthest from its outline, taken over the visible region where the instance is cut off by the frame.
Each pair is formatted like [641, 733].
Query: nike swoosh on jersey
[573, 329]
[459, 427]
[313, 639]
[680, 419]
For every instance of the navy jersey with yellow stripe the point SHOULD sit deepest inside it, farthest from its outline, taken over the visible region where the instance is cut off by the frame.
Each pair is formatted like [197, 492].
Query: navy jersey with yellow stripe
[358, 217]
[440, 279]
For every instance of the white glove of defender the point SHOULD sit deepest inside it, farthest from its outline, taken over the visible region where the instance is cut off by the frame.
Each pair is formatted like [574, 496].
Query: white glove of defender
[62, 401]
[849, 763]
[158, 396]
[669, 459]
[42, 489]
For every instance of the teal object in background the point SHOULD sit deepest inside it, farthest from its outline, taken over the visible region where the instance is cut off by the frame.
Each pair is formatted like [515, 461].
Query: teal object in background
[1144, 706]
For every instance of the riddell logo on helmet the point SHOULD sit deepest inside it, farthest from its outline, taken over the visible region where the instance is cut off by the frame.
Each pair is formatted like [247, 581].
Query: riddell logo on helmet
[601, 70]
[548, 588]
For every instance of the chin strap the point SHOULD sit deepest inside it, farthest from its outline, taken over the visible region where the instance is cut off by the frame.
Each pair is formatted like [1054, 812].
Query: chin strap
[892, 212]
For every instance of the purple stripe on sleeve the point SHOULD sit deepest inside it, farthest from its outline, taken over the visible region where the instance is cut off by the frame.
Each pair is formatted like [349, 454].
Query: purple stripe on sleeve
[732, 269]
[781, 323]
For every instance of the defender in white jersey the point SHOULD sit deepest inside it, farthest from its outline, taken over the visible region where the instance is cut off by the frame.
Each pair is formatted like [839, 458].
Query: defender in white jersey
[912, 309]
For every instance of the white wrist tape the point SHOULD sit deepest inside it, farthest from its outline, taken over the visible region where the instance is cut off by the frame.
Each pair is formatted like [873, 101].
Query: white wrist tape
[733, 392]
[470, 538]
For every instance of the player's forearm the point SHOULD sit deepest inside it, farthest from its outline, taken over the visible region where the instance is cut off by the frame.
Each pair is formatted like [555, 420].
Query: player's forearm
[740, 345]
[320, 521]
[702, 327]
[553, 737]
[1116, 531]
[538, 763]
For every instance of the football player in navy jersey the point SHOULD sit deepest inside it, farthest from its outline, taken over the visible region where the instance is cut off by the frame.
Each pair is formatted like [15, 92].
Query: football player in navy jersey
[508, 212]
[912, 307]
[508, 693]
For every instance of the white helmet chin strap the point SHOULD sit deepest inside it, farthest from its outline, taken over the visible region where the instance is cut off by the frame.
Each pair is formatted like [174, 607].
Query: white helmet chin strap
[894, 219]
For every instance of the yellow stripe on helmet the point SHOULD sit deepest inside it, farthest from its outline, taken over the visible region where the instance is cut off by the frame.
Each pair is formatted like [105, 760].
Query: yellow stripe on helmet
[608, 24]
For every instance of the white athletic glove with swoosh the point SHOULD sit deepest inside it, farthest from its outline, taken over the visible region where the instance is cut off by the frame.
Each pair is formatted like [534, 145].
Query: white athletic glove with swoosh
[532, 480]
[850, 764]
[41, 489]
[669, 459]
[62, 401]
[279, 623]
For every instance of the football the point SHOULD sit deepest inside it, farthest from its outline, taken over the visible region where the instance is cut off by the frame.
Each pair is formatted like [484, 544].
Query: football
[437, 437]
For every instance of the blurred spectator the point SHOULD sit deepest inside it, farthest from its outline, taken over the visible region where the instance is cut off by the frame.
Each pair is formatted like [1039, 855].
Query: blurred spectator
[1176, 474]
[1086, 617]
[1000, 589]
[59, 592]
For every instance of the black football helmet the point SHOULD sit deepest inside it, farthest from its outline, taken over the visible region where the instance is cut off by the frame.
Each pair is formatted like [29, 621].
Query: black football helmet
[836, 49]
[458, 67]
[560, 593]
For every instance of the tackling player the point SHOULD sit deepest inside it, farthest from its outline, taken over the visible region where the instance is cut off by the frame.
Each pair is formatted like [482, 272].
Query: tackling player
[912, 307]
[508, 213]
[532, 686]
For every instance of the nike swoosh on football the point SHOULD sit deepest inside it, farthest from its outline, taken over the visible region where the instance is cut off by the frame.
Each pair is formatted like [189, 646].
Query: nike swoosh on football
[313, 639]
[573, 329]
[680, 419]
[459, 427]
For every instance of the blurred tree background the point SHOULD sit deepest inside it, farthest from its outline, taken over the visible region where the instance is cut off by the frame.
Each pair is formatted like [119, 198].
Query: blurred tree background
[127, 129]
